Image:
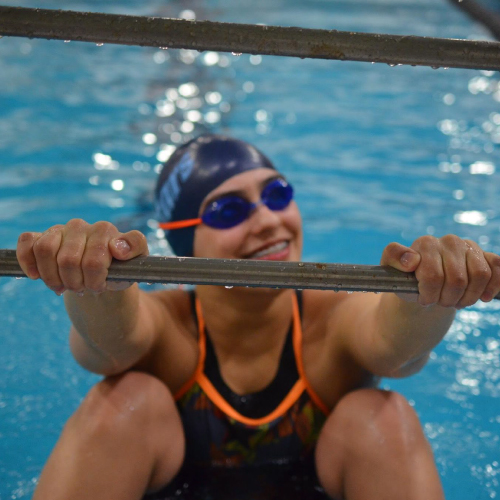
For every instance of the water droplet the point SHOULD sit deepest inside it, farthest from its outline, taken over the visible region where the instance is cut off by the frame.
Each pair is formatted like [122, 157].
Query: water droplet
[301, 264]
[67, 41]
[99, 44]
[181, 259]
[228, 286]
[163, 48]
[236, 54]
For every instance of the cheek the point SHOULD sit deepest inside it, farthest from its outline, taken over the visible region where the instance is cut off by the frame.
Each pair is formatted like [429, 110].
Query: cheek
[213, 243]
[292, 219]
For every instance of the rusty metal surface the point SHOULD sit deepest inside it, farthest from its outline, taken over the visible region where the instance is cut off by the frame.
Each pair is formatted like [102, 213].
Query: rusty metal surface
[250, 39]
[252, 273]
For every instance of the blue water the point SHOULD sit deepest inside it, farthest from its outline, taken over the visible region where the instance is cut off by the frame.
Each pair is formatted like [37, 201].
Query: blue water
[377, 154]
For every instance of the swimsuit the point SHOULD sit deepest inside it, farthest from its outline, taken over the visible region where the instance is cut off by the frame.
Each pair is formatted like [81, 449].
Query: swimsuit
[279, 424]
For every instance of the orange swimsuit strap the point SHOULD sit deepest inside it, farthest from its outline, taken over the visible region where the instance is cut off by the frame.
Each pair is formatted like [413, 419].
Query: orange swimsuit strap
[294, 394]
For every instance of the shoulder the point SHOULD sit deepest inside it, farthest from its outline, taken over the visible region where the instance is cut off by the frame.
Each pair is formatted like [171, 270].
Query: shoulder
[174, 354]
[328, 319]
[319, 305]
[338, 318]
[335, 308]
[174, 303]
[321, 310]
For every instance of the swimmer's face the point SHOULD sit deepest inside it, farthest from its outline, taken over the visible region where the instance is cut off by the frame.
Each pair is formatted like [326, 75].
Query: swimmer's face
[265, 235]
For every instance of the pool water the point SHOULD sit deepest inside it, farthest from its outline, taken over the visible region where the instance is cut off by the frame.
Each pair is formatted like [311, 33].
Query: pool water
[377, 154]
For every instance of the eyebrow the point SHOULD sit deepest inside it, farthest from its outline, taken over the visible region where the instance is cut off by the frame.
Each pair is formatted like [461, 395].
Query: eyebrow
[239, 192]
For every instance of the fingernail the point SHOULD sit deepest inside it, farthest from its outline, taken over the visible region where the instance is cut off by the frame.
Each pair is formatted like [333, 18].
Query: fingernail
[408, 259]
[33, 272]
[487, 296]
[58, 290]
[122, 246]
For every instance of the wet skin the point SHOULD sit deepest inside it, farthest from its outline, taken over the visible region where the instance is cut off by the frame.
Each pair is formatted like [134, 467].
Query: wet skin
[348, 341]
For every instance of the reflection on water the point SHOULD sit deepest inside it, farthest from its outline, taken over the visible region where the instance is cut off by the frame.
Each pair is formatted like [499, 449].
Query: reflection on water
[378, 154]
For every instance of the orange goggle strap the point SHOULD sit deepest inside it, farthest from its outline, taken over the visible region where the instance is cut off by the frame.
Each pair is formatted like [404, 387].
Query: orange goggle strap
[180, 224]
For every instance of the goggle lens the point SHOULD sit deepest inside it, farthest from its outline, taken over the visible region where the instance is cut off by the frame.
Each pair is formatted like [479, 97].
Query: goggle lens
[226, 212]
[230, 211]
[277, 195]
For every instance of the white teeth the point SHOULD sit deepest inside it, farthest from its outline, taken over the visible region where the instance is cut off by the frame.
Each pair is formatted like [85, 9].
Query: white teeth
[272, 249]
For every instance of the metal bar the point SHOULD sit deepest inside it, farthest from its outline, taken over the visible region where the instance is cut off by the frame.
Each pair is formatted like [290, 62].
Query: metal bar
[251, 39]
[252, 273]
[248, 273]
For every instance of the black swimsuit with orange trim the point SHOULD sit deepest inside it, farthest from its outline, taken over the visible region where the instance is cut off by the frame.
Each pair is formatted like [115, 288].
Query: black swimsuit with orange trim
[279, 424]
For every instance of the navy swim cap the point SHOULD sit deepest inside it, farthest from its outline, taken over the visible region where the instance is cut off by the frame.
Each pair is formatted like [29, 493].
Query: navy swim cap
[193, 170]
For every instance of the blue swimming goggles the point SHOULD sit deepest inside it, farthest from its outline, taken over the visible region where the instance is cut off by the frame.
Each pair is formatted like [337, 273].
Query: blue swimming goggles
[229, 211]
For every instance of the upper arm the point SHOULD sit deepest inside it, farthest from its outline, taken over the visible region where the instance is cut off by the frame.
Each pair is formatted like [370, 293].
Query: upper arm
[133, 348]
[354, 329]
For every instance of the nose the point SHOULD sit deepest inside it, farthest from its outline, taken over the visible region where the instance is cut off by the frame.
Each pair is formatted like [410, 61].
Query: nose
[263, 218]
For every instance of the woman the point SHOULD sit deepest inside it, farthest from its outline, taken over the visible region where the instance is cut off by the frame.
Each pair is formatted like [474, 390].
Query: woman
[244, 376]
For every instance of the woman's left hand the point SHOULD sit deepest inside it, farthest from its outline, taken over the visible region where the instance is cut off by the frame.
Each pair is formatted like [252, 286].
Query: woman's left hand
[451, 272]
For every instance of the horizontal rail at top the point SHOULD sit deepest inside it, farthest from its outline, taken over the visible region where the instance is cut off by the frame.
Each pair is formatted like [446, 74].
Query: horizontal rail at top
[250, 39]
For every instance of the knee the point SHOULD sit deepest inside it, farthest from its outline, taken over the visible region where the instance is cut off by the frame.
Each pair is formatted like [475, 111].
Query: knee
[120, 403]
[372, 417]
[366, 426]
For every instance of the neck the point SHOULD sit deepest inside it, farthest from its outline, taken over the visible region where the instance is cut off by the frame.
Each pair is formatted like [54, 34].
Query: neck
[246, 321]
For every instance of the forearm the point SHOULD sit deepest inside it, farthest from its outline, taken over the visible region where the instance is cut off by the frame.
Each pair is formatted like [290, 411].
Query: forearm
[408, 331]
[107, 324]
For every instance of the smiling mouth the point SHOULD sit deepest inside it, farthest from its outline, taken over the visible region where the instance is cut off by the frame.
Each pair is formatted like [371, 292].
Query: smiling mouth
[277, 247]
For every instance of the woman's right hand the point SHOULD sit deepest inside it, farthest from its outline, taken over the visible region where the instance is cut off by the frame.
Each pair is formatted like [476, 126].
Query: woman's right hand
[76, 256]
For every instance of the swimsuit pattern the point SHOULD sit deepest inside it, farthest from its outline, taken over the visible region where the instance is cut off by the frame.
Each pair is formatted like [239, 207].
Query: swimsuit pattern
[217, 434]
